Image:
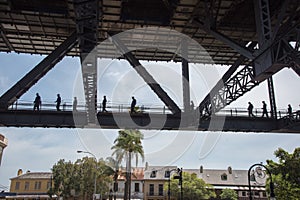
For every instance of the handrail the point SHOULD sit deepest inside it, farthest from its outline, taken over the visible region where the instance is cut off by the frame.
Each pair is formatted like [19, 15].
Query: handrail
[157, 109]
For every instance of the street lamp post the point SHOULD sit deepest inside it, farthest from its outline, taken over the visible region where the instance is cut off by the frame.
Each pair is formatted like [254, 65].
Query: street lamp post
[169, 182]
[179, 177]
[95, 179]
[272, 194]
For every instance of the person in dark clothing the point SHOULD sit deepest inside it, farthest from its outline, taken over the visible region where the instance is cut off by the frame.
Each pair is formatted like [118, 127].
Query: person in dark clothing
[37, 102]
[250, 110]
[133, 103]
[264, 108]
[290, 110]
[104, 101]
[75, 104]
[192, 106]
[58, 102]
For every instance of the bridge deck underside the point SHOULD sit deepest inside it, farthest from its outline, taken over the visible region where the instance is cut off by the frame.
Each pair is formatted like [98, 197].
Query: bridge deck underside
[40, 27]
[67, 119]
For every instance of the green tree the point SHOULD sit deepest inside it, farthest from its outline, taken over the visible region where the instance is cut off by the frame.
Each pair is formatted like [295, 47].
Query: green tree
[127, 145]
[229, 194]
[65, 176]
[194, 188]
[78, 178]
[286, 174]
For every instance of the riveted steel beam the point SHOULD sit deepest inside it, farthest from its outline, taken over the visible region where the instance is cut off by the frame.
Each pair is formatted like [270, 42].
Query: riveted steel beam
[146, 76]
[231, 43]
[87, 15]
[32, 77]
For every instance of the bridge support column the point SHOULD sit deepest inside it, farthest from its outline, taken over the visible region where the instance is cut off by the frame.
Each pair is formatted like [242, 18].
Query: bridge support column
[264, 30]
[87, 15]
[185, 77]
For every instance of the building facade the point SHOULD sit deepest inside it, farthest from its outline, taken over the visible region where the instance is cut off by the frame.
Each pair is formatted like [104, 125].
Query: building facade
[137, 184]
[154, 180]
[149, 183]
[232, 179]
[30, 185]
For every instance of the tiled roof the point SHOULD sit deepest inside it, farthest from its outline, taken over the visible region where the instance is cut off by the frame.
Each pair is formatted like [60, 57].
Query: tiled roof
[137, 173]
[34, 175]
[214, 176]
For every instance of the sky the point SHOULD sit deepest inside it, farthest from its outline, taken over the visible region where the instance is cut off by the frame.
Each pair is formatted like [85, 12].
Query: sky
[38, 149]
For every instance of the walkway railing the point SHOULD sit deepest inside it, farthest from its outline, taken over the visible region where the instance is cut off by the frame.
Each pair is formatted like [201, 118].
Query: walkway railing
[157, 109]
[111, 107]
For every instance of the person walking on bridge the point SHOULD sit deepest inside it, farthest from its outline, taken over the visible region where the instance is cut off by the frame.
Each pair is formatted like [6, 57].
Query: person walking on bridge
[104, 101]
[58, 102]
[264, 108]
[133, 103]
[250, 110]
[37, 102]
[75, 104]
[290, 112]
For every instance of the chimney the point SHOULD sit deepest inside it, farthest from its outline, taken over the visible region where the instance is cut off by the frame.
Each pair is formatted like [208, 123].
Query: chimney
[201, 169]
[146, 166]
[229, 170]
[20, 172]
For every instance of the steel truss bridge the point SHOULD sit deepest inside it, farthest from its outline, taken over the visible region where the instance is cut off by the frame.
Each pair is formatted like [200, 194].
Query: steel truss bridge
[256, 38]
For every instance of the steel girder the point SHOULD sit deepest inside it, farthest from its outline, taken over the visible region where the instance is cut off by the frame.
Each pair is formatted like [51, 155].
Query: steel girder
[26, 118]
[231, 43]
[278, 51]
[225, 93]
[206, 107]
[185, 77]
[264, 32]
[17, 90]
[87, 15]
[146, 76]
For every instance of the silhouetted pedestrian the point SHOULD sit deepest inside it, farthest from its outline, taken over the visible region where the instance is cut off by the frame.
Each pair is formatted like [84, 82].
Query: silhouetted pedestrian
[264, 108]
[37, 102]
[58, 102]
[133, 103]
[250, 110]
[104, 101]
[192, 106]
[290, 110]
[75, 104]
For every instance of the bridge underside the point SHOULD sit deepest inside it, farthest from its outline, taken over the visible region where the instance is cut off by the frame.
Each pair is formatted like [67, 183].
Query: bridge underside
[68, 119]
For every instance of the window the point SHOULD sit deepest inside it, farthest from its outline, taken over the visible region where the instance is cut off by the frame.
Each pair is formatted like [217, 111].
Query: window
[167, 174]
[136, 187]
[160, 189]
[224, 177]
[17, 187]
[26, 186]
[151, 189]
[37, 185]
[243, 193]
[49, 185]
[153, 174]
[264, 194]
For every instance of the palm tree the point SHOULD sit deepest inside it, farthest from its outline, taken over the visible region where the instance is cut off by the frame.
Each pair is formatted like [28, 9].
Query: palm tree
[128, 144]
